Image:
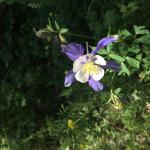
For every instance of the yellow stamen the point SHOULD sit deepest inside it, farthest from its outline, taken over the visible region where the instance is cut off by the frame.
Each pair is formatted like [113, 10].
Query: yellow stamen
[117, 105]
[115, 102]
[90, 68]
[71, 124]
[82, 146]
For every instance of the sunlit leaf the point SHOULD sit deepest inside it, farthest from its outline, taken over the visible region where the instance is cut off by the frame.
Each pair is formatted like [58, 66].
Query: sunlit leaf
[116, 57]
[125, 69]
[133, 62]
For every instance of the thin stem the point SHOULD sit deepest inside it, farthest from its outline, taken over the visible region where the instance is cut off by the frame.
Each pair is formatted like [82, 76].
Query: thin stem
[109, 31]
[87, 50]
[90, 103]
[35, 134]
[90, 5]
[81, 117]
[78, 35]
[112, 78]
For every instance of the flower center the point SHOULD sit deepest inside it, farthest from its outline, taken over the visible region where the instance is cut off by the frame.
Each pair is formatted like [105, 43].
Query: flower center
[90, 68]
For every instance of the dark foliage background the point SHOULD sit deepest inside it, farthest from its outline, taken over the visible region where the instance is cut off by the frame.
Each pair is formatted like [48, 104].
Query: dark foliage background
[35, 106]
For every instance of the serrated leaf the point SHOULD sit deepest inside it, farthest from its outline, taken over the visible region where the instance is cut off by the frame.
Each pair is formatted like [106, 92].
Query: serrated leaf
[144, 39]
[125, 69]
[116, 57]
[140, 29]
[63, 30]
[126, 33]
[133, 62]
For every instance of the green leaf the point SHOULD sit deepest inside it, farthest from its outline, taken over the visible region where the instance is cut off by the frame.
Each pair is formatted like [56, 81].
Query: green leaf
[140, 30]
[133, 62]
[57, 26]
[139, 57]
[144, 39]
[66, 93]
[126, 33]
[102, 52]
[134, 50]
[63, 30]
[49, 26]
[116, 57]
[109, 47]
[63, 40]
[117, 91]
[125, 69]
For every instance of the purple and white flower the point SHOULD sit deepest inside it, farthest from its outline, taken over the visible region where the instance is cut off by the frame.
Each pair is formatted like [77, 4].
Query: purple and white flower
[88, 67]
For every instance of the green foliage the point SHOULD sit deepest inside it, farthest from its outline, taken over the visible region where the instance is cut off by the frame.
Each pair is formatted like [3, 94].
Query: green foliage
[116, 57]
[37, 112]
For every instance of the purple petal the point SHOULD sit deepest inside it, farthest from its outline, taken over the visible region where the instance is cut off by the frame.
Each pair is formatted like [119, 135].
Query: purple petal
[96, 85]
[73, 50]
[104, 42]
[69, 78]
[112, 65]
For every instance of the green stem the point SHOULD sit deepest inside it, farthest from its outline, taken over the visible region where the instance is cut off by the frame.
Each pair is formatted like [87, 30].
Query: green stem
[35, 134]
[78, 35]
[87, 48]
[90, 103]
[109, 31]
[113, 76]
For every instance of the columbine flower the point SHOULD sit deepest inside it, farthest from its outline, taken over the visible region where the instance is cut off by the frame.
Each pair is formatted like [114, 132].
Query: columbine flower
[89, 67]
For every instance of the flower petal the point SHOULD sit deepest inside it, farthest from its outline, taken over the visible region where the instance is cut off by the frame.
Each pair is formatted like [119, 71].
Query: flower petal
[99, 60]
[95, 85]
[69, 78]
[77, 65]
[99, 75]
[73, 50]
[112, 65]
[82, 77]
[103, 42]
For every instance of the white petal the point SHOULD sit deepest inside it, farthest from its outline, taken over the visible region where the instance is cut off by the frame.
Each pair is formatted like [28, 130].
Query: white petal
[99, 60]
[99, 75]
[77, 65]
[82, 77]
